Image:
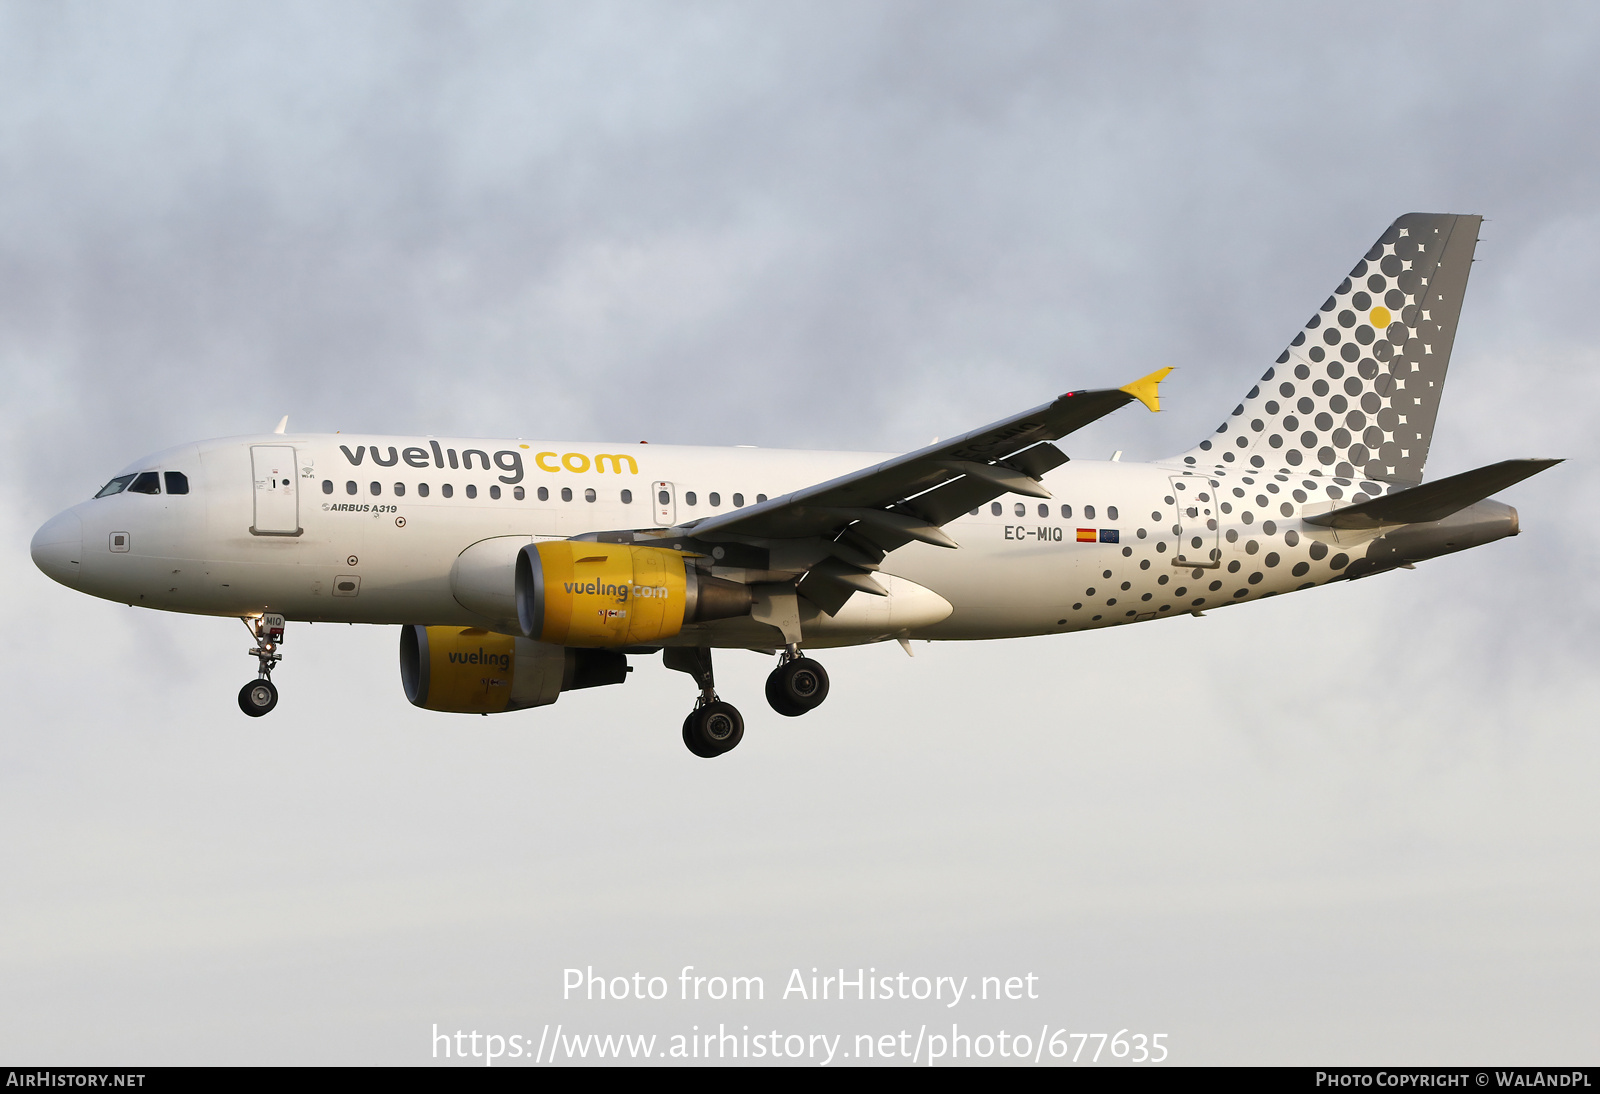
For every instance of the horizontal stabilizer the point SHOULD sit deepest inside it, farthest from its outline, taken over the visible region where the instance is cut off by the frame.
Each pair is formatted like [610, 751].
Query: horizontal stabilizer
[1432, 501]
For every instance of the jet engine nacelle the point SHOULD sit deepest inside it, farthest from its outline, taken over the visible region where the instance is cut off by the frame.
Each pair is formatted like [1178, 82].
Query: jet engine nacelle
[577, 593]
[472, 671]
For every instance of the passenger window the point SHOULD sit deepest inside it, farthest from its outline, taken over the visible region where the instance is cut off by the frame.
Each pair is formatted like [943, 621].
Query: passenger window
[115, 486]
[738, 501]
[422, 489]
[995, 509]
[1066, 512]
[147, 482]
[716, 498]
[350, 487]
[472, 491]
[544, 494]
[663, 498]
[399, 489]
[1044, 510]
[376, 488]
[689, 498]
[447, 490]
[566, 493]
[519, 493]
[1088, 512]
[760, 498]
[1021, 510]
[627, 497]
[494, 492]
[589, 494]
[327, 486]
[1111, 512]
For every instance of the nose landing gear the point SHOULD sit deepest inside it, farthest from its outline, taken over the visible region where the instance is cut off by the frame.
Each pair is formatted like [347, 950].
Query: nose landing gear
[712, 727]
[797, 685]
[260, 695]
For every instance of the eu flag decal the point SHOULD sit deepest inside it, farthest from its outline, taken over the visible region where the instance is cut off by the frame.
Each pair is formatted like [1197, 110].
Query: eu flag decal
[1108, 535]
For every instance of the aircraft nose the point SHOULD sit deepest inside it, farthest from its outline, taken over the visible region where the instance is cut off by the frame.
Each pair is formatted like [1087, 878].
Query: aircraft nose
[58, 548]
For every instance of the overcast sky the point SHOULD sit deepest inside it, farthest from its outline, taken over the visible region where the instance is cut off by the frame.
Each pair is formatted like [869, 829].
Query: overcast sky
[1358, 825]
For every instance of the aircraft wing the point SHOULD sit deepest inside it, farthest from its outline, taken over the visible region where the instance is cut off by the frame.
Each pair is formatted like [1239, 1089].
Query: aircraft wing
[833, 535]
[909, 497]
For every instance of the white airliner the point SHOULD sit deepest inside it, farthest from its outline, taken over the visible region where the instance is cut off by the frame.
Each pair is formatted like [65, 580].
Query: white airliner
[518, 570]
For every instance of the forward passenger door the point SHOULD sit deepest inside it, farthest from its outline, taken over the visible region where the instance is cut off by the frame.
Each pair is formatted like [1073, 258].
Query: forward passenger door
[277, 496]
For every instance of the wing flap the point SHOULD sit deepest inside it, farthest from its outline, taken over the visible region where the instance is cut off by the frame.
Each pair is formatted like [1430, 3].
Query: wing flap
[998, 475]
[830, 583]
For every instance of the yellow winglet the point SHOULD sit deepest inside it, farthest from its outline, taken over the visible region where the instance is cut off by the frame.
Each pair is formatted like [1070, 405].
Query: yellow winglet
[1144, 389]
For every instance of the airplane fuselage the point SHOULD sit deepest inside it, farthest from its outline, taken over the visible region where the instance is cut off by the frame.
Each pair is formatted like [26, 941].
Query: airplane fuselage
[367, 529]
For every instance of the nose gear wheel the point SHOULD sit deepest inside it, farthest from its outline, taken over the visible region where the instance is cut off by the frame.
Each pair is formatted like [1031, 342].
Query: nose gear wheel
[260, 695]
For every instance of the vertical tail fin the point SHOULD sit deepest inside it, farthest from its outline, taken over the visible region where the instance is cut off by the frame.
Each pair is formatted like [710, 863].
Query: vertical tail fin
[1357, 391]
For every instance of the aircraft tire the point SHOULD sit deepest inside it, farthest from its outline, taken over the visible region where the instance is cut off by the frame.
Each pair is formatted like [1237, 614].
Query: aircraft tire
[797, 686]
[776, 698]
[691, 742]
[258, 697]
[713, 729]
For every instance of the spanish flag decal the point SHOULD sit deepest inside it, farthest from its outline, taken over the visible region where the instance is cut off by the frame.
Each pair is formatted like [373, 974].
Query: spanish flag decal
[1086, 535]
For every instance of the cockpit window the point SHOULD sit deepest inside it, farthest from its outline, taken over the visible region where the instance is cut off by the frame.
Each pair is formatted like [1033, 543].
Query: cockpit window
[177, 482]
[115, 486]
[147, 482]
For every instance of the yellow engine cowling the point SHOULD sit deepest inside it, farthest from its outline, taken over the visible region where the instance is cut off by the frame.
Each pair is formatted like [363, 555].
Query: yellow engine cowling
[574, 593]
[472, 671]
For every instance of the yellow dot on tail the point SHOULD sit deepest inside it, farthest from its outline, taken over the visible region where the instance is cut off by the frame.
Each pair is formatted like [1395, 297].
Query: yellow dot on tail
[1381, 317]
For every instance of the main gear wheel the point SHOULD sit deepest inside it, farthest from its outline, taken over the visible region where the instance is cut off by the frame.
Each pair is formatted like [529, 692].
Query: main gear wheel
[796, 686]
[712, 729]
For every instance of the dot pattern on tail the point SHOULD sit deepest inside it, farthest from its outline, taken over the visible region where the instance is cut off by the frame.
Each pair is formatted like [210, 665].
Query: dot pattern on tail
[1357, 391]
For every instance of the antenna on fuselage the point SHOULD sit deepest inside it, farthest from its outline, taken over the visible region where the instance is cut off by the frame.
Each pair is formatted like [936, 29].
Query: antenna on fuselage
[283, 424]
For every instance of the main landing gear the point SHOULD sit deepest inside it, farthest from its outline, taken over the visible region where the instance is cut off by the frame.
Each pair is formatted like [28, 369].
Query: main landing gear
[712, 727]
[797, 685]
[260, 695]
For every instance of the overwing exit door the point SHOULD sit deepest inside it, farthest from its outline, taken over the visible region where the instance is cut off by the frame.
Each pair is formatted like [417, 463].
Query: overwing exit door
[277, 504]
[666, 501]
